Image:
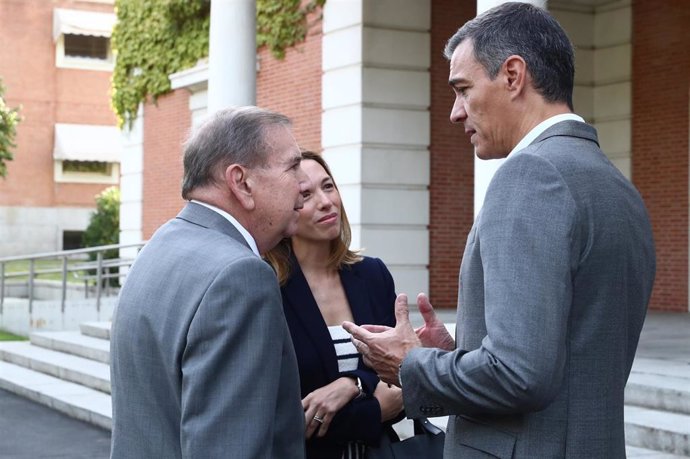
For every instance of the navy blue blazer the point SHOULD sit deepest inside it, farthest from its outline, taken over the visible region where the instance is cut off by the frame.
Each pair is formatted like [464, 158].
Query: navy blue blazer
[370, 290]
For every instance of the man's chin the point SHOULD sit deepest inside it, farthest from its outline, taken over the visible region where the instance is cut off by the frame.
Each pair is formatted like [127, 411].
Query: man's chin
[290, 230]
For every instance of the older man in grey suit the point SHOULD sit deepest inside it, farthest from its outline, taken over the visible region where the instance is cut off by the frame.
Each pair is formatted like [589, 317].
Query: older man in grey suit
[202, 362]
[557, 271]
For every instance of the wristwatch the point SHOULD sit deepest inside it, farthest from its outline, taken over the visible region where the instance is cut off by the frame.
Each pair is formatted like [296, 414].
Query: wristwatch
[360, 388]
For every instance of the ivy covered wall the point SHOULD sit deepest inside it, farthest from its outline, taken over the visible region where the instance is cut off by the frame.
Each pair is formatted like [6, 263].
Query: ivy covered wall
[154, 39]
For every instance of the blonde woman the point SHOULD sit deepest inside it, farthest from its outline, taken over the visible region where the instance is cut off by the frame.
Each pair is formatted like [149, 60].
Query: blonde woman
[324, 283]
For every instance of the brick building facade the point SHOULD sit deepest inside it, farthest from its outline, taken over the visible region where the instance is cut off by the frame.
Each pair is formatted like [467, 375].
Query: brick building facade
[42, 201]
[410, 181]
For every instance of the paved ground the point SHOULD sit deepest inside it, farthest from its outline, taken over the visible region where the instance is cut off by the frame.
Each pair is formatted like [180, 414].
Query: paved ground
[32, 431]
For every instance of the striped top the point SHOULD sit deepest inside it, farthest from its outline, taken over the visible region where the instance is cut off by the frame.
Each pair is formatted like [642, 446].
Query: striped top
[348, 358]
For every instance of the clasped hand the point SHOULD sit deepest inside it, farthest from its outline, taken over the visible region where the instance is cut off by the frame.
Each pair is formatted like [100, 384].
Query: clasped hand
[384, 348]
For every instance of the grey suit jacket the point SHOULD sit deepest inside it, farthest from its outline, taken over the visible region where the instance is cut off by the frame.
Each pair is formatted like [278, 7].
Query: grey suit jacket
[202, 363]
[554, 286]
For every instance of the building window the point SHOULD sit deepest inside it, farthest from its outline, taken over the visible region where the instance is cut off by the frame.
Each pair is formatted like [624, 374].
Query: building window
[71, 171]
[87, 153]
[87, 167]
[71, 240]
[86, 46]
[82, 39]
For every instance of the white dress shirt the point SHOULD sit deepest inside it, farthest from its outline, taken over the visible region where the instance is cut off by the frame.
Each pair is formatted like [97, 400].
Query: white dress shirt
[247, 237]
[543, 126]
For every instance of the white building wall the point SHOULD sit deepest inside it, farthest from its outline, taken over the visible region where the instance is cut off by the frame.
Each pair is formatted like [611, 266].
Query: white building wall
[375, 128]
[31, 230]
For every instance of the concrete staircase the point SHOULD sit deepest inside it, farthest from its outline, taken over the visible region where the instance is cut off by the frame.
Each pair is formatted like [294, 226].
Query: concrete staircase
[657, 411]
[69, 372]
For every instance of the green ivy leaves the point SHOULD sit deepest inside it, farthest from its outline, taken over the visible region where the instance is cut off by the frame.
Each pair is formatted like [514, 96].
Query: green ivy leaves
[156, 38]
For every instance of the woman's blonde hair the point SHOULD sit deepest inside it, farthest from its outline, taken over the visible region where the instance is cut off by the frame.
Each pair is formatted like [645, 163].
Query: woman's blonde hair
[340, 253]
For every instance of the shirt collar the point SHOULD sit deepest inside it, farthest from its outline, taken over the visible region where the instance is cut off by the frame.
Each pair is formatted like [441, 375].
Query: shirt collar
[543, 126]
[247, 237]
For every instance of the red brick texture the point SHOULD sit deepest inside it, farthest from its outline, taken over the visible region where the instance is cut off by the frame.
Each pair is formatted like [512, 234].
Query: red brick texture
[166, 126]
[660, 105]
[452, 163]
[47, 95]
[293, 86]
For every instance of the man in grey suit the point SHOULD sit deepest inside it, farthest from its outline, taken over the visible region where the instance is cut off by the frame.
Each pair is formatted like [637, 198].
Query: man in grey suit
[556, 274]
[202, 364]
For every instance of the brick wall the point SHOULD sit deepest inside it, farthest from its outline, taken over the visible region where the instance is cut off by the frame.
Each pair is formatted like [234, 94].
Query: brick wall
[293, 86]
[166, 126]
[48, 95]
[660, 105]
[452, 162]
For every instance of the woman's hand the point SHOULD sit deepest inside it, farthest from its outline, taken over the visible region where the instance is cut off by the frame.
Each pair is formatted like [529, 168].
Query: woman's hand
[325, 402]
[390, 399]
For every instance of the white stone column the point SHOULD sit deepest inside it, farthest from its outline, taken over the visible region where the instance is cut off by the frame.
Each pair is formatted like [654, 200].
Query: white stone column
[131, 185]
[602, 36]
[375, 128]
[485, 170]
[232, 54]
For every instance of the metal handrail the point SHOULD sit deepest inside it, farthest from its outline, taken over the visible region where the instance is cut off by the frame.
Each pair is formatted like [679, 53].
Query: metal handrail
[100, 265]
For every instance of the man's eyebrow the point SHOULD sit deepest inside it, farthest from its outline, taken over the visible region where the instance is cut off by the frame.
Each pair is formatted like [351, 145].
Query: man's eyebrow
[455, 81]
[295, 160]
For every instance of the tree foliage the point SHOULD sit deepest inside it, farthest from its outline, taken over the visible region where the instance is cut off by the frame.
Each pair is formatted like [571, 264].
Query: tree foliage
[104, 225]
[153, 39]
[9, 118]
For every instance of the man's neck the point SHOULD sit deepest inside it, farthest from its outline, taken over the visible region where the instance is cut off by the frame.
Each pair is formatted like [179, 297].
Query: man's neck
[537, 113]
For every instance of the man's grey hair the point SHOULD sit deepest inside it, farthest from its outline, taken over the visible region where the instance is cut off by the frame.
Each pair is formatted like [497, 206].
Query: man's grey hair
[235, 135]
[516, 28]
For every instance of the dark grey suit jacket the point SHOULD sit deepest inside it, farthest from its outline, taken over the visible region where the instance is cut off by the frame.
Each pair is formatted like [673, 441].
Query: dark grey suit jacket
[202, 363]
[554, 286]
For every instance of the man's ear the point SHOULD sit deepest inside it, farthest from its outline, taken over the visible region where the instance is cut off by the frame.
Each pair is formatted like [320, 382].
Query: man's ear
[515, 73]
[238, 181]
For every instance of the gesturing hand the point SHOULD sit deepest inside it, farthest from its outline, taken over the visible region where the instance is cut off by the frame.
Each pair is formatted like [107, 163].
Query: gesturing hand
[384, 348]
[433, 333]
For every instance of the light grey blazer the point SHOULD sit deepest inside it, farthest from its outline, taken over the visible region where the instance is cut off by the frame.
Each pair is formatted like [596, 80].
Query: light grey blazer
[554, 286]
[202, 363]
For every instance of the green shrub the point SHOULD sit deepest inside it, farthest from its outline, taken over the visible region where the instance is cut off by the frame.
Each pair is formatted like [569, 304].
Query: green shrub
[9, 118]
[104, 226]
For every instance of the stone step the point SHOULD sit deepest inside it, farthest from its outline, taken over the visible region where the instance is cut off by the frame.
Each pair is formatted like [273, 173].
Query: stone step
[96, 329]
[89, 373]
[660, 385]
[73, 342]
[74, 400]
[633, 452]
[657, 430]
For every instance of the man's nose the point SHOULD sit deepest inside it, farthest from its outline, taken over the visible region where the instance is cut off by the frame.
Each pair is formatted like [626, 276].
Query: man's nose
[458, 114]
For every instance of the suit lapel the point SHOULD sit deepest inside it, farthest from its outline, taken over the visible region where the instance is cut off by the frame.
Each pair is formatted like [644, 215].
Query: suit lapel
[356, 293]
[300, 299]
